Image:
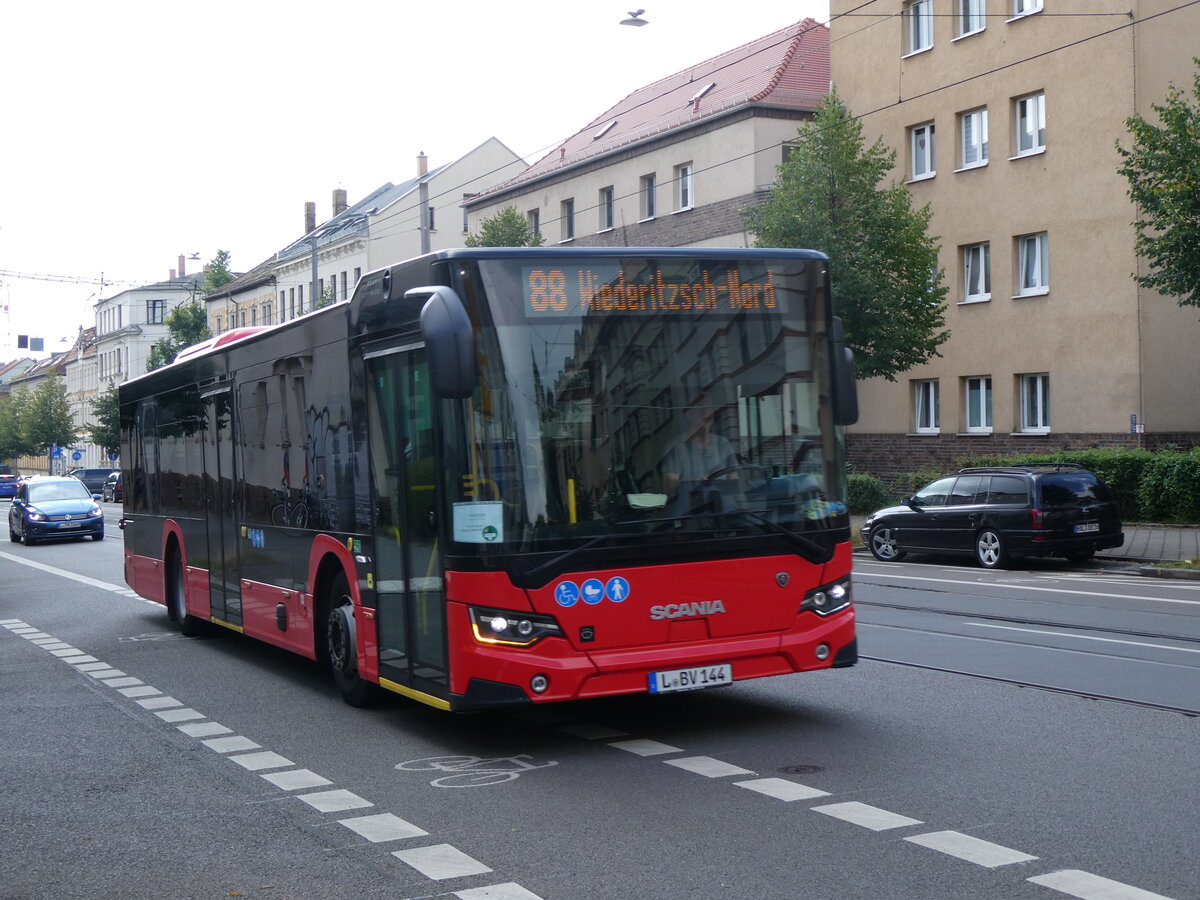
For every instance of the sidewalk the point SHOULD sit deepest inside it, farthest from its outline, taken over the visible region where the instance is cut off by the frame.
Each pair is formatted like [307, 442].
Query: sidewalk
[1152, 543]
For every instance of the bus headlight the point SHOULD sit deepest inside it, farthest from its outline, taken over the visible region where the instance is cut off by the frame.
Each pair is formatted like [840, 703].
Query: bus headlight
[828, 598]
[517, 629]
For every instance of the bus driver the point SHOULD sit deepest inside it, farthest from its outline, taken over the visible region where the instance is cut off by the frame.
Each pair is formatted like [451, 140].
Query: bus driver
[702, 452]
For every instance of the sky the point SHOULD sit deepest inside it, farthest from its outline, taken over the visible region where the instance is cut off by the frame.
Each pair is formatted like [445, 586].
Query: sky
[134, 132]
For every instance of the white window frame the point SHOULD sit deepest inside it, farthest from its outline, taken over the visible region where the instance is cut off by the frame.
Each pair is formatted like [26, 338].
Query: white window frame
[566, 216]
[1035, 402]
[1023, 8]
[977, 392]
[918, 26]
[925, 156]
[1030, 108]
[534, 218]
[927, 414]
[1033, 264]
[977, 272]
[606, 203]
[973, 139]
[648, 187]
[969, 17]
[684, 187]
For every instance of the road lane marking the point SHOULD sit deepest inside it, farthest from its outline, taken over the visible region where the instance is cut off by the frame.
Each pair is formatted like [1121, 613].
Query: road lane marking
[382, 827]
[263, 760]
[231, 743]
[1084, 637]
[1029, 587]
[332, 801]
[643, 747]
[971, 849]
[782, 789]
[441, 861]
[871, 817]
[296, 779]
[507, 891]
[707, 766]
[54, 570]
[1087, 886]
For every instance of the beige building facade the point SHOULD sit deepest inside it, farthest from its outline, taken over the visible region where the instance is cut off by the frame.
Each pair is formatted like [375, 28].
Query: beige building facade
[1005, 115]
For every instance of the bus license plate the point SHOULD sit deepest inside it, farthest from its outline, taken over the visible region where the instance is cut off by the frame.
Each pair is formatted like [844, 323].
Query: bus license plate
[1087, 527]
[690, 679]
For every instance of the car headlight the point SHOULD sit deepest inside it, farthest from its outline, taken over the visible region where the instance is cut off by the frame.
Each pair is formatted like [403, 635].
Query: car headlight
[95, 511]
[828, 598]
[35, 516]
[518, 629]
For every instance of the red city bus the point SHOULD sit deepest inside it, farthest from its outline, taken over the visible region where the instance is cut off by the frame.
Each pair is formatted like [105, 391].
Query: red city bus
[504, 476]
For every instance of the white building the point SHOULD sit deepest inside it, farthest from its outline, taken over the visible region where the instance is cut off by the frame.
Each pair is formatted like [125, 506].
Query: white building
[128, 324]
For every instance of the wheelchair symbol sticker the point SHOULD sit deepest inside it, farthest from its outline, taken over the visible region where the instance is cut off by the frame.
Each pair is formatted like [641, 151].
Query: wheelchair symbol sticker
[567, 593]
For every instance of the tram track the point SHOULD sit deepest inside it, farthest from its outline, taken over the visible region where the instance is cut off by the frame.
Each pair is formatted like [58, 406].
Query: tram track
[1018, 682]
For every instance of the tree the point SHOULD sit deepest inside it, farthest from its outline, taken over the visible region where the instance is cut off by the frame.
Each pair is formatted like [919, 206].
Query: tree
[106, 433]
[507, 228]
[887, 286]
[46, 420]
[217, 273]
[187, 324]
[12, 436]
[1163, 170]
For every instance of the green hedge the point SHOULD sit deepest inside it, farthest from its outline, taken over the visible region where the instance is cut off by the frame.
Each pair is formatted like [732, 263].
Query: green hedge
[866, 493]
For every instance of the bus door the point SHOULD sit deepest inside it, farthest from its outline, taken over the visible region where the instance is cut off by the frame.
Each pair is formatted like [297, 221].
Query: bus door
[219, 504]
[409, 587]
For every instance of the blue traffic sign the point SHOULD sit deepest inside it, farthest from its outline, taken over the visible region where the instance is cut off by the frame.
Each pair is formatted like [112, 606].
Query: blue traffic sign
[76, 456]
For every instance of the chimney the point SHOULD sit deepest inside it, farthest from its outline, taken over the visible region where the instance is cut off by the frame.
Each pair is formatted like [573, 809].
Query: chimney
[181, 271]
[310, 217]
[172, 278]
[422, 165]
[339, 200]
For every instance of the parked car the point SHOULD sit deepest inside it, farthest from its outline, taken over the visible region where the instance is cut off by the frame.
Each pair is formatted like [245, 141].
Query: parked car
[53, 507]
[114, 488]
[93, 478]
[1001, 513]
[8, 484]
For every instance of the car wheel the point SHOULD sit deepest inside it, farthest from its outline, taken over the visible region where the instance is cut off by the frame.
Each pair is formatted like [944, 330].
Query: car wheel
[13, 536]
[990, 551]
[883, 544]
[98, 536]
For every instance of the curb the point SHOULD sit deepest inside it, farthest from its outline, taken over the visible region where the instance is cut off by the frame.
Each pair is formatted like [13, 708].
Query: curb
[1162, 572]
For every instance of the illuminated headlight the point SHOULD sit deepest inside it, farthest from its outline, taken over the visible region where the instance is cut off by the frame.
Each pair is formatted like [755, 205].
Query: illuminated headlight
[828, 598]
[35, 516]
[95, 511]
[495, 626]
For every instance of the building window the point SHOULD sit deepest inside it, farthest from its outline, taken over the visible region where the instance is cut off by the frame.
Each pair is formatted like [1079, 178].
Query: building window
[683, 186]
[1035, 402]
[282, 306]
[567, 217]
[1025, 7]
[977, 272]
[1034, 261]
[923, 150]
[535, 221]
[299, 302]
[1031, 124]
[292, 296]
[918, 25]
[606, 208]
[979, 403]
[430, 219]
[928, 413]
[969, 17]
[156, 311]
[466, 197]
[268, 312]
[648, 206]
[254, 315]
[345, 286]
[789, 148]
[973, 128]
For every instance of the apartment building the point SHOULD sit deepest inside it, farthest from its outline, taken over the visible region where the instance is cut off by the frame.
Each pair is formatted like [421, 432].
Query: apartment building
[1005, 115]
[676, 162]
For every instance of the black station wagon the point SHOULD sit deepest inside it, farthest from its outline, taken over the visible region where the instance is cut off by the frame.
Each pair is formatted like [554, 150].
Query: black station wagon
[1001, 513]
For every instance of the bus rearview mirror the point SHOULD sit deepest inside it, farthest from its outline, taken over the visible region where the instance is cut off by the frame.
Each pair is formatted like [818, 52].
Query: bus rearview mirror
[449, 341]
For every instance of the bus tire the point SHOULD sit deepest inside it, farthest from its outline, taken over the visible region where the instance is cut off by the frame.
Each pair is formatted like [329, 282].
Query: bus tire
[341, 646]
[189, 626]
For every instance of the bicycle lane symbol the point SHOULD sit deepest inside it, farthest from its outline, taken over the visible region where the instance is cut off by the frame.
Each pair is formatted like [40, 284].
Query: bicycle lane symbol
[474, 771]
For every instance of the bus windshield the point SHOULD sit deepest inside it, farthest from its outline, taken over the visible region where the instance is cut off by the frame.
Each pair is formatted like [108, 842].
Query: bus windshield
[641, 395]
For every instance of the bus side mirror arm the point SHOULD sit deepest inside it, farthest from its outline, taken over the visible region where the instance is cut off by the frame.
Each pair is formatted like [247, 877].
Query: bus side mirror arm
[449, 341]
[845, 383]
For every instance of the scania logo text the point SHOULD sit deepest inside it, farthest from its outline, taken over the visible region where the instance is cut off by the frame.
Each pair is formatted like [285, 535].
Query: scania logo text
[682, 610]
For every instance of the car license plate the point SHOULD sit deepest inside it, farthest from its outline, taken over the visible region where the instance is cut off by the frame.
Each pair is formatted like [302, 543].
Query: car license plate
[69, 524]
[1086, 527]
[690, 679]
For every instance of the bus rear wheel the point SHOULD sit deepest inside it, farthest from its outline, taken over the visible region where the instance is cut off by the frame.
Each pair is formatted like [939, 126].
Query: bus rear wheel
[341, 646]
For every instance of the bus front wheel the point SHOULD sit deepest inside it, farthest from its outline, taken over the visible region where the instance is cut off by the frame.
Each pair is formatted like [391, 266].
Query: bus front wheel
[189, 625]
[341, 644]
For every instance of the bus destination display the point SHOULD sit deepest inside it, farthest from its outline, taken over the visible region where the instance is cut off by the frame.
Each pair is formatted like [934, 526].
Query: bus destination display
[607, 289]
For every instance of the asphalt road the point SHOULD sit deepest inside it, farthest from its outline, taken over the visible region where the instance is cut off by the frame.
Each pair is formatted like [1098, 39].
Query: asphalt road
[215, 766]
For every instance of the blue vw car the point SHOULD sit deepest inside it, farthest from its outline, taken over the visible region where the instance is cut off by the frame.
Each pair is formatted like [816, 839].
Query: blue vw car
[54, 508]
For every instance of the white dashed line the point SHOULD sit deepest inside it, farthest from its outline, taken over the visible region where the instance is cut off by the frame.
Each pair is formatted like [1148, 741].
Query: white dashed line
[383, 827]
[263, 760]
[645, 748]
[159, 703]
[180, 715]
[296, 779]
[867, 816]
[106, 672]
[204, 729]
[230, 744]
[128, 681]
[509, 891]
[64, 655]
[76, 660]
[144, 690]
[972, 849]
[441, 861]
[782, 789]
[333, 801]
[707, 766]
[1087, 886]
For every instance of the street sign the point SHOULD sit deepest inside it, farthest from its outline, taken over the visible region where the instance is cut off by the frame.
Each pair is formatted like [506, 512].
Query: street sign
[76, 456]
[56, 453]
